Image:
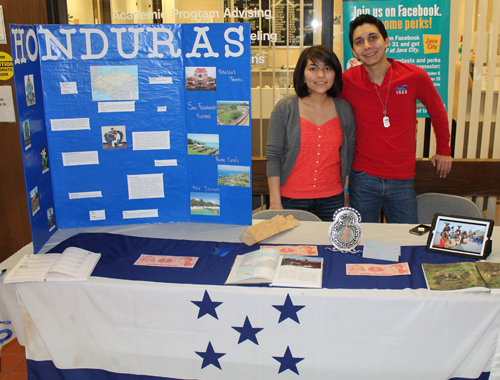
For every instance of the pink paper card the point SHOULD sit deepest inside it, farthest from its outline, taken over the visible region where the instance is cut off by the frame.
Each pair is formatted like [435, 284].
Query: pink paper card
[299, 250]
[166, 261]
[377, 270]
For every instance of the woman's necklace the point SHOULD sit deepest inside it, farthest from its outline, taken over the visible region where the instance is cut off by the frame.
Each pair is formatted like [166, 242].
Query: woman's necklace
[385, 119]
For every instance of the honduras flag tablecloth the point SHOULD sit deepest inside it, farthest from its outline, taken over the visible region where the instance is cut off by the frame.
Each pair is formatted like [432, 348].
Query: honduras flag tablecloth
[130, 322]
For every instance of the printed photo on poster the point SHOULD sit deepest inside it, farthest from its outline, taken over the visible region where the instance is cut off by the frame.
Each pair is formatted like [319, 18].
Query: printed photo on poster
[203, 144]
[26, 134]
[114, 137]
[205, 204]
[29, 85]
[230, 175]
[35, 201]
[51, 218]
[233, 112]
[114, 83]
[201, 79]
[44, 157]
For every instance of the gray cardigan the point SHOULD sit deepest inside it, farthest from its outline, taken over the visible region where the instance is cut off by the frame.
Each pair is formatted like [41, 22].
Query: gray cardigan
[283, 143]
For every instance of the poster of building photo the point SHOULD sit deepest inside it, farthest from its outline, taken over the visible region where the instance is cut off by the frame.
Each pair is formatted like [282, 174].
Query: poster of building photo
[201, 79]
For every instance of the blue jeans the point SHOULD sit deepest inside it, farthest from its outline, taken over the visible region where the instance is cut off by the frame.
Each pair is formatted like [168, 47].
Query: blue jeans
[369, 195]
[324, 208]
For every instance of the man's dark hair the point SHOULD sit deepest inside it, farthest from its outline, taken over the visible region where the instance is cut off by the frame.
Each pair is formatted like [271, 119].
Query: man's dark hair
[317, 53]
[366, 19]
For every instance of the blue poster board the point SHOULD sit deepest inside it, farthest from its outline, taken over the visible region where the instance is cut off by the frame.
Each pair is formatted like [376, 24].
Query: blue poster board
[419, 32]
[32, 126]
[142, 124]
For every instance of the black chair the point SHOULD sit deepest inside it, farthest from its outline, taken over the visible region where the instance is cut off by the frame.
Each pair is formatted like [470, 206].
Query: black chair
[429, 204]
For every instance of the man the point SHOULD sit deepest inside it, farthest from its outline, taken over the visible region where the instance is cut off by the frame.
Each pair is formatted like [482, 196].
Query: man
[118, 137]
[383, 94]
[110, 137]
[113, 138]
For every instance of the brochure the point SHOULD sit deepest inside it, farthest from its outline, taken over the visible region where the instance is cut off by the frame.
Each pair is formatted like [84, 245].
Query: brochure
[268, 266]
[74, 264]
[463, 276]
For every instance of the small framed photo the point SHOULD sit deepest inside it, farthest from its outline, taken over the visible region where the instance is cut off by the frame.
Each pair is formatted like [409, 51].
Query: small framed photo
[459, 236]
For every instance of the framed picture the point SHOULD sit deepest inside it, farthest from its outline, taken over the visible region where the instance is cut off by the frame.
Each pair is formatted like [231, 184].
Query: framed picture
[465, 237]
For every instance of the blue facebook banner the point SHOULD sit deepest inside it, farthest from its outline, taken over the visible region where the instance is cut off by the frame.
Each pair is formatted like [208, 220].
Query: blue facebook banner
[419, 34]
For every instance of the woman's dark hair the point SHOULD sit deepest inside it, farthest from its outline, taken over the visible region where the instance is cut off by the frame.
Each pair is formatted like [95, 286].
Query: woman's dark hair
[317, 53]
[366, 19]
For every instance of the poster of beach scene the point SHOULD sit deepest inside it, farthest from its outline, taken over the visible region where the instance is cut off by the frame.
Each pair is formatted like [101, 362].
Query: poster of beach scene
[205, 203]
[233, 112]
[230, 175]
[203, 144]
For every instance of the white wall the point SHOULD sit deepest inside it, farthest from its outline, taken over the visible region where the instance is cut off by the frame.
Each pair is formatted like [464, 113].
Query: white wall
[81, 10]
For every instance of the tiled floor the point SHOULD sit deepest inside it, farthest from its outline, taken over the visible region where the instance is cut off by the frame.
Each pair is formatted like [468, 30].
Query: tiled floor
[13, 362]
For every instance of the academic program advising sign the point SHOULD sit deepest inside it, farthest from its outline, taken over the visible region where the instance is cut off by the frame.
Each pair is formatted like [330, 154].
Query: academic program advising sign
[419, 33]
[137, 124]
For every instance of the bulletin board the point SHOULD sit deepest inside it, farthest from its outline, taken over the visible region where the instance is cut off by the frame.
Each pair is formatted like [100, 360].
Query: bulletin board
[134, 124]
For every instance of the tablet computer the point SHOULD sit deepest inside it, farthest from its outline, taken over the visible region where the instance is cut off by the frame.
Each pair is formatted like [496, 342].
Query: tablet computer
[455, 235]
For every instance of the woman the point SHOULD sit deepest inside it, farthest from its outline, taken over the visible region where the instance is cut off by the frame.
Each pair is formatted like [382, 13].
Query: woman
[311, 139]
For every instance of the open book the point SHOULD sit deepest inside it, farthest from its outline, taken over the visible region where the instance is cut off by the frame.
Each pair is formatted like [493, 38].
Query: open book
[74, 264]
[268, 266]
[464, 276]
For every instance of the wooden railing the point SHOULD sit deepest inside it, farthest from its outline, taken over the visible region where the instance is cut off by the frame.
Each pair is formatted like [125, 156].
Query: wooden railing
[468, 178]
[259, 179]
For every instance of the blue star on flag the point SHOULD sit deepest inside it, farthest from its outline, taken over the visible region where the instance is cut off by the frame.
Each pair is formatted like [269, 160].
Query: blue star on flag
[288, 361]
[207, 306]
[210, 357]
[247, 332]
[288, 310]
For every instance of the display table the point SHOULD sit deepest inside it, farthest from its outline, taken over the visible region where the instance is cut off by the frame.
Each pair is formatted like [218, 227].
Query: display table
[104, 327]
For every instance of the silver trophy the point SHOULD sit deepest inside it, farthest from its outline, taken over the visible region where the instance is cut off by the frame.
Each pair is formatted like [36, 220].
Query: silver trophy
[345, 231]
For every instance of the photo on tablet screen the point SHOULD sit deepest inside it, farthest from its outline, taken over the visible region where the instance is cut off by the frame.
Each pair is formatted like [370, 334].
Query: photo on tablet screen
[460, 235]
